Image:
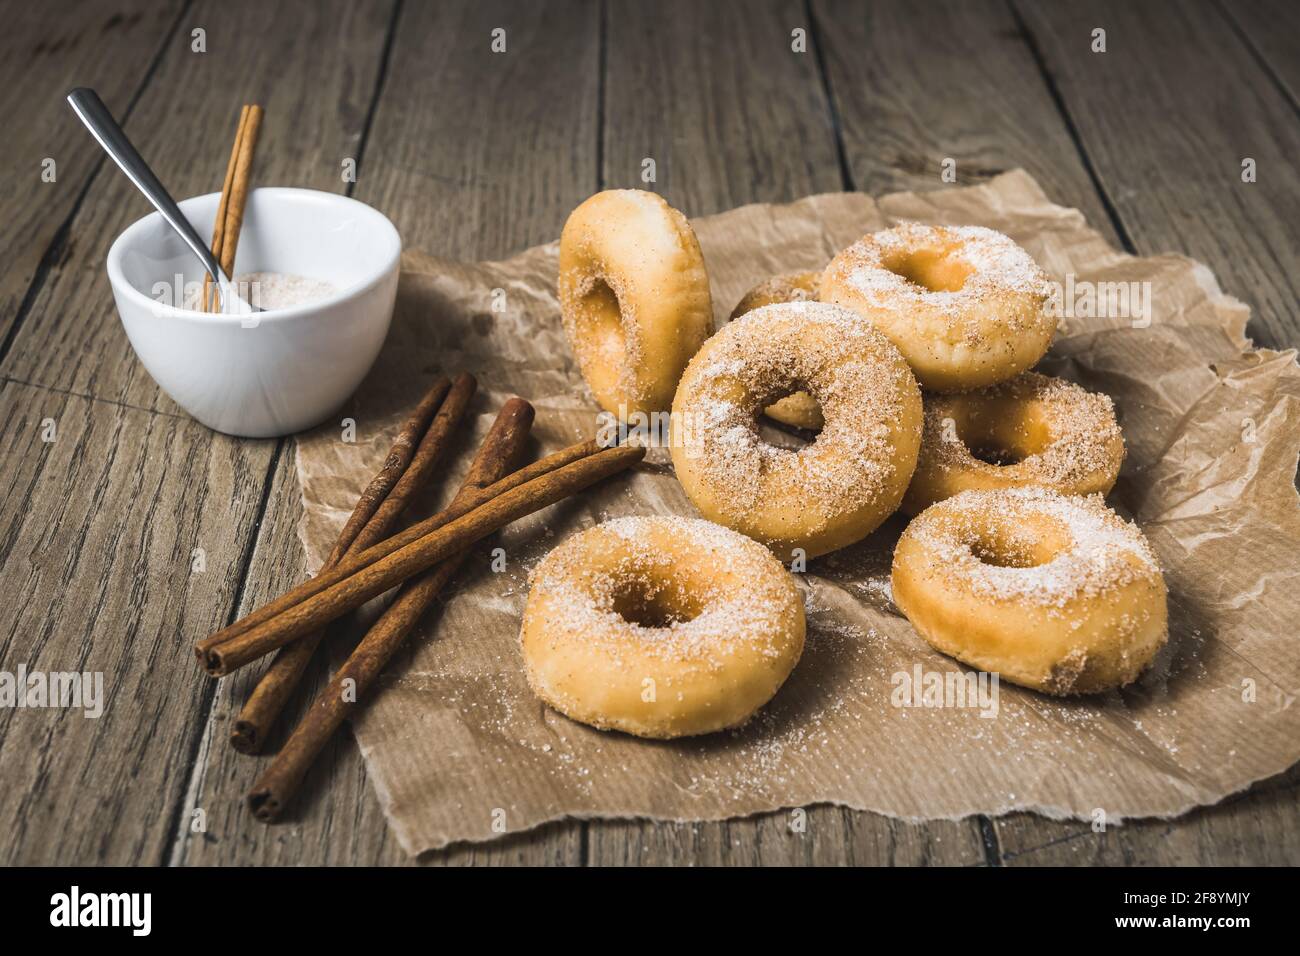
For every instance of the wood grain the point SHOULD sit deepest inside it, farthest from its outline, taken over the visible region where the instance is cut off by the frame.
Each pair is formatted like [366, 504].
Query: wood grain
[715, 95]
[476, 154]
[110, 47]
[312, 68]
[108, 790]
[340, 821]
[97, 547]
[916, 85]
[1167, 135]
[1259, 828]
[1272, 29]
[830, 836]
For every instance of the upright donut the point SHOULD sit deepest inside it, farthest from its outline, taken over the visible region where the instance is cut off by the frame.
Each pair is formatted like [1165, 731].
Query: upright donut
[835, 490]
[798, 409]
[1052, 592]
[964, 304]
[634, 298]
[1033, 430]
[660, 627]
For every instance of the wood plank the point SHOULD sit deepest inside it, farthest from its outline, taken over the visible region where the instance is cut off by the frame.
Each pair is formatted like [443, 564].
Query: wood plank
[107, 46]
[715, 94]
[1259, 828]
[952, 79]
[1182, 72]
[1272, 29]
[97, 548]
[476, 154]
[317, 106]
[341, 823]
[716, 97]
[407, 172]
[831, 836]
[312, 67]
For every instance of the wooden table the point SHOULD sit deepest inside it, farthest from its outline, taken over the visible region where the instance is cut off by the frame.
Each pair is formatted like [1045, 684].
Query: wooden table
[477, 154]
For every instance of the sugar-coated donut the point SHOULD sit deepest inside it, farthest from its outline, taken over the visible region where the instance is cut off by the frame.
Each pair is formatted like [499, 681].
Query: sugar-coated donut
[964, 304]
[1053, 592]
[660, 627]
[1044, 431]
[790, 287]
[835, 490]
[799, 409]
[634, 298]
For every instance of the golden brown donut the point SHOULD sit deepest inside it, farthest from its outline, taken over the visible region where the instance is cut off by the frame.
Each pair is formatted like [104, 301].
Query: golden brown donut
[798, 409]
[661, 627]
[964, 304]
[1045, 432]
[835, 490]
[634, 298]
[1052, 592]
[790, 287]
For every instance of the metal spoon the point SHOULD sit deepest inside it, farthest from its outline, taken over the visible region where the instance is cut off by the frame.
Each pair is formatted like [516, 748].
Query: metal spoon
[90, 109]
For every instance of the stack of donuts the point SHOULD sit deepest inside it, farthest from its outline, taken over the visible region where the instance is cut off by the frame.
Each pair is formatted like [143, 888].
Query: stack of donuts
[909, 357]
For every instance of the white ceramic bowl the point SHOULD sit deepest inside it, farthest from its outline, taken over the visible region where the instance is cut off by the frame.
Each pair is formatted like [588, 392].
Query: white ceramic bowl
[280, 371]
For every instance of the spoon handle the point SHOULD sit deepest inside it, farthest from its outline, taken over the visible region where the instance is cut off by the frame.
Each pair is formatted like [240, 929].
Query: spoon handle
[92, 111]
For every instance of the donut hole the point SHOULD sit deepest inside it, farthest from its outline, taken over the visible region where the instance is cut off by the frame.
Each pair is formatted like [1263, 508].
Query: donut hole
[1026, 543]
[1002, 433]
[998, 457]
[600, 322]
[935, 269]
[783, 435]
[653, 602]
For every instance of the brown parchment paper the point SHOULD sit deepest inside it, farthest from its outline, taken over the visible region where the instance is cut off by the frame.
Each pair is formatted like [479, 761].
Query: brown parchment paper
[459, 749]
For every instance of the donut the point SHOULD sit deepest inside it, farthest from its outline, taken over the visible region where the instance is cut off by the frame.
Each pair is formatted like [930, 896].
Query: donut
[964, 304]
[1053, 592]
[829, 493]
[660, 627]
[634, 298]
[1032, 430]
[798, 409]
[791, 287]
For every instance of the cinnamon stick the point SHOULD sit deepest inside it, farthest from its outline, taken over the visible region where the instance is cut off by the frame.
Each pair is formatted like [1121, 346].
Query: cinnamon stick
[223, 204]
[406, 470]
[352, 563]
[234, 197]
[277, 785]
[376, 578]
[399, 457]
